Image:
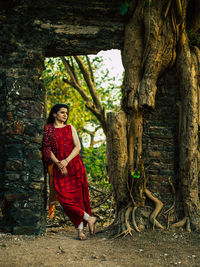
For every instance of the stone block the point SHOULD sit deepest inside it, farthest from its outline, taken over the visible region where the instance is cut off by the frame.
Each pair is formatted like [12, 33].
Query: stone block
[34, 167]
[26, 93]
[37, 139]
[16, 127]
[37, 185]
[9, 116]
[30, 110]
[9, 196]
[155, 154]
[30, 130]
[12, 176]
[167, 172]
[14, 165]
[33, 153]
[160, 178]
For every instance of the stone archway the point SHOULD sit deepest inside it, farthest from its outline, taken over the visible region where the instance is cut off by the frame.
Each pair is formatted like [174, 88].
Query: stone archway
[32, 30]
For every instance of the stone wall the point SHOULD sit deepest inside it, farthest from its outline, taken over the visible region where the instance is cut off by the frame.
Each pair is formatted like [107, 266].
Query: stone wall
[22, 106]
[160, 141]
[67, 27]
[31, 30]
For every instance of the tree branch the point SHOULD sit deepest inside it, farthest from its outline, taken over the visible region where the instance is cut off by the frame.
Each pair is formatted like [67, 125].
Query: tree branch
[89, 82]
[90, 68]
[74, 81]
[95, 107]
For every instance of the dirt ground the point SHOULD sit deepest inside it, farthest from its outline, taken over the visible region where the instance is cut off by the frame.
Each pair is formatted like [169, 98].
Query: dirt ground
[60, 247]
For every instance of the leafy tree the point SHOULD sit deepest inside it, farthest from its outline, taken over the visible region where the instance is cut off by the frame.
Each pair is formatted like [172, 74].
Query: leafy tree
[95, 163]
[68, 83]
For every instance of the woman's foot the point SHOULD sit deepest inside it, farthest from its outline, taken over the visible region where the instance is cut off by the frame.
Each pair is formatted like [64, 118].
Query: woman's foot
[91, 223]
[81, 235]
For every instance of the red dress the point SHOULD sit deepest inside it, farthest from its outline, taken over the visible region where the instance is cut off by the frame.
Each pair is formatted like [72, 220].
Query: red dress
[72, 190]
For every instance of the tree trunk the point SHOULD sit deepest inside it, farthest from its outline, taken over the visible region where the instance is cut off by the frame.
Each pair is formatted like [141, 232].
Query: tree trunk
[150, 49]
[188, 69]
[117, 156]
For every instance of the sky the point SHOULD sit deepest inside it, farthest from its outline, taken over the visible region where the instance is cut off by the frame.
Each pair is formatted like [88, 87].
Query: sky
[112, 61]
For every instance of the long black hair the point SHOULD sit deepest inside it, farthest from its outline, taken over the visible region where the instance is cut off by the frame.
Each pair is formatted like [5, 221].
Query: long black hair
[55, 109]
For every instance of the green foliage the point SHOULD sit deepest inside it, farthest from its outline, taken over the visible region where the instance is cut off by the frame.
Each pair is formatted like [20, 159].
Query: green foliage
[107, 88]
[80, 117]
[59, 92]
[135, 175]
[95, 163]
[124, 8]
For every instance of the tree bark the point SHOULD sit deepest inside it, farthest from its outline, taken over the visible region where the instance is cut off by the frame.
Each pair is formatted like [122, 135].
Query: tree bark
[117, 157]
[150, 50]
[188, 66]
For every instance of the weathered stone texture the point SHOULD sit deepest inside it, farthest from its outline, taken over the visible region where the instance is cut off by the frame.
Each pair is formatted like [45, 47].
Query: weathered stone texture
[160, 141]
[22, 168]
[64, 27]
[31, 30]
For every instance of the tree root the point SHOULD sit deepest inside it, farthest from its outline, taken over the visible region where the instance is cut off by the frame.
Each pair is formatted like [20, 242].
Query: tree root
[127, 214]
[158, 207]
[124, 224]
[171, 209]
[134, 221]
[174, 198]
[182, 222]
[126, 228]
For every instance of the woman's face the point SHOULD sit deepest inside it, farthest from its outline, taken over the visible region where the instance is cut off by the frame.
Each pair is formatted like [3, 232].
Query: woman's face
[61, 115]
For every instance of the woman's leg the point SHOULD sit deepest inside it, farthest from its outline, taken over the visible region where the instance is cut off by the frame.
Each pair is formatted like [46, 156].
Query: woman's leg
[81, 234]
[91, 222]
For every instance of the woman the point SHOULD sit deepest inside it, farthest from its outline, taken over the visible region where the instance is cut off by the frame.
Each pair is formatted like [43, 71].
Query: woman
[61, 147]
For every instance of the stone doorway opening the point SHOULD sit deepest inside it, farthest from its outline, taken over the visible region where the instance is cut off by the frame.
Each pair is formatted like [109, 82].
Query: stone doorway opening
[105, 71]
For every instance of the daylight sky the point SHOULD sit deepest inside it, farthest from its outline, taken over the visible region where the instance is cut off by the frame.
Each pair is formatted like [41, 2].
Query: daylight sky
[112, 61]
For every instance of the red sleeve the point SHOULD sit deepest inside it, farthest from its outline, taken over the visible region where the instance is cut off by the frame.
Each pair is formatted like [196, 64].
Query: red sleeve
[46, 144]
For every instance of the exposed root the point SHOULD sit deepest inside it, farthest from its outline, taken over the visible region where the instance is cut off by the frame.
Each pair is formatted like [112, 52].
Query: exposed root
[134, 221]
[188, 226]
[174, 198]
[125, 227]
[124, 233]
[184, 221]
[171, 209]
[127, 214]
[158, 207]
[180, 223]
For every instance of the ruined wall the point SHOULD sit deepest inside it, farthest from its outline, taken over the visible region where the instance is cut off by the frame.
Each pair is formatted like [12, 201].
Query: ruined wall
[22, 107]
[31, 30]
[160, 141]
[73, 27]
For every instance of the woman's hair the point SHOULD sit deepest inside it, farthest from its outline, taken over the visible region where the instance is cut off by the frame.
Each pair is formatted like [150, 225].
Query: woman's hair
[55, 109]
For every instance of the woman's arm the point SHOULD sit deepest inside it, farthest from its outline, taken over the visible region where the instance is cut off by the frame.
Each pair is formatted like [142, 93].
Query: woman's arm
[59, 164]
[46, 149]
[76, 149]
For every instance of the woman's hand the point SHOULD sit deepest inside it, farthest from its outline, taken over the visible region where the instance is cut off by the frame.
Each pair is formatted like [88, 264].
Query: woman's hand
[64, 171]
[64, 162]
[60, 165]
